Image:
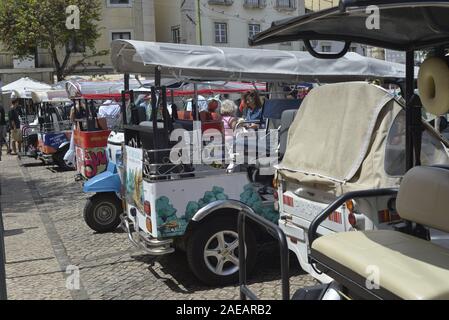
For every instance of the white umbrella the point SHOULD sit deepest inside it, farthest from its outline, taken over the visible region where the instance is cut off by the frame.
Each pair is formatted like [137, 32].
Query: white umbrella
[23, 87]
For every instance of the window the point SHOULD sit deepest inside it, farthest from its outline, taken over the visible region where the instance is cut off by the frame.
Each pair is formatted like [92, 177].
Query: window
[353, 49]
[326, 48]
[286, 4]
[119, 3]
[221, 2]
[254, 3]
[221, 32]
[253, 29]
[121, 35]
[176, 34]
[432, 150]
[75, 46]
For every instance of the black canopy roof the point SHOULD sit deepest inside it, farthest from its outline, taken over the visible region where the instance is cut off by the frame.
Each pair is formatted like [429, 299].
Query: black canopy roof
[404, 25]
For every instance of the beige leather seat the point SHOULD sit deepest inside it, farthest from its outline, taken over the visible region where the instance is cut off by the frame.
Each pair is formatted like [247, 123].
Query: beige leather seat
[406, 267]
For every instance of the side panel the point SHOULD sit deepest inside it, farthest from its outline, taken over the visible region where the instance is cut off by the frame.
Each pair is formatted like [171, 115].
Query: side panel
[133, 184]
[174, 203]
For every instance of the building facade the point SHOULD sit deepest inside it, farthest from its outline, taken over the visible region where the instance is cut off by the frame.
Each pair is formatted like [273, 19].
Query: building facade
[222, 23]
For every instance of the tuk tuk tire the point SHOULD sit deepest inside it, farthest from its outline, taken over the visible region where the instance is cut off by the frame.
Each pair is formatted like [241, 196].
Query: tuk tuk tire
[196, 245]
[112, 206]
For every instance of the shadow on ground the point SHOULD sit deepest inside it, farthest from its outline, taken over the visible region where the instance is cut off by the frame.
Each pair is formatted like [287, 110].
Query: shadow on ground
[181, 279]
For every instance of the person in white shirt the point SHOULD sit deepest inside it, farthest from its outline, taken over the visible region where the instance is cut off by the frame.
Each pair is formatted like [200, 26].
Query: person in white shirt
[111, 111]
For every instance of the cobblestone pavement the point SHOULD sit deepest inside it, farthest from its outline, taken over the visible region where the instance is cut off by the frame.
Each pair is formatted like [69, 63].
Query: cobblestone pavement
[45, 233]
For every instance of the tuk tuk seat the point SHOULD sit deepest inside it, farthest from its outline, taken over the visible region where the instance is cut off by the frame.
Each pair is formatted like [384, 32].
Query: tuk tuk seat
[406, 267]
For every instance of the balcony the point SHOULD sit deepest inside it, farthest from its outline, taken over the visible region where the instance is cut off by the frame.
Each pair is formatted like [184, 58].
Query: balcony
[255, 4]
[221, 2]
[288, 5]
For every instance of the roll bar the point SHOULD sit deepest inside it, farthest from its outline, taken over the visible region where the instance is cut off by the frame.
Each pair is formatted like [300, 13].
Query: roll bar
[276, 232]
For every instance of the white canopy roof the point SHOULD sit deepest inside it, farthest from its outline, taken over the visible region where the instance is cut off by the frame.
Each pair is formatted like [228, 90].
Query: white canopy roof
[51, 96]
[77, 89]
[211, 63]
[23, 87]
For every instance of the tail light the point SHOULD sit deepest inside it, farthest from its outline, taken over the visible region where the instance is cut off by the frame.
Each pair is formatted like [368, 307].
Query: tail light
[287, 200]
[147, 208]
[275, 183]
[276, 195]
[149, 225]
[352, 220]
[388, 216]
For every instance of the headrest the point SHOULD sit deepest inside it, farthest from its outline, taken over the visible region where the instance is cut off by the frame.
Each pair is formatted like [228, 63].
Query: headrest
[423, 197]
[433, 85]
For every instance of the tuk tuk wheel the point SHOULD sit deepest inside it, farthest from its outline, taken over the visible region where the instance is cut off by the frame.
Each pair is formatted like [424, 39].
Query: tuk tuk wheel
[102, 212]
[212, 251]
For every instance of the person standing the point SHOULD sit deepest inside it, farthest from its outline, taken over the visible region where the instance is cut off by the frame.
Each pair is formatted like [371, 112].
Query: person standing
[14, 122]
[2, 131]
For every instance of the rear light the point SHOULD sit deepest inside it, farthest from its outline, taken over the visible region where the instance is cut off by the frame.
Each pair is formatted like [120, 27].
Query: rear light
[335, 217]
[147, 208]
[388, 216]
[352, 220]
[149, 225]
[350, 206]
[287, 200]
[276, 195]
[275, 183]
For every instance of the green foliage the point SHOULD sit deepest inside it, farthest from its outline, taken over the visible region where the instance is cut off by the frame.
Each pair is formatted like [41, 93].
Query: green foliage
[29, 24]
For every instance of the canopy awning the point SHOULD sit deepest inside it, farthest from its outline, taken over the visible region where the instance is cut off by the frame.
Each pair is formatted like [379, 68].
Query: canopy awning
[403, 25]
[100, 90]
[51, 96]
[192, 62]
[23, 87]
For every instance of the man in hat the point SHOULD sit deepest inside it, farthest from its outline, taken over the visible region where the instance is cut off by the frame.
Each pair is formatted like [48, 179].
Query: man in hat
[14, 122]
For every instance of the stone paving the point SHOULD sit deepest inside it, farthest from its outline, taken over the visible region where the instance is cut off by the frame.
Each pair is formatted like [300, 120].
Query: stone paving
[46, 237]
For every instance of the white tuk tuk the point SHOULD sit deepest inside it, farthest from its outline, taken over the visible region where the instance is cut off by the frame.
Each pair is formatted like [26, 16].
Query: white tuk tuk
[364, 181]
[183, 204]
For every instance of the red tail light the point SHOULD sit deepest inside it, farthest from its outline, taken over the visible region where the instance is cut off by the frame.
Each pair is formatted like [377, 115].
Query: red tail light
[352, 219]
[147, 208]
[276, 195]
[287, 200]
[388, 216]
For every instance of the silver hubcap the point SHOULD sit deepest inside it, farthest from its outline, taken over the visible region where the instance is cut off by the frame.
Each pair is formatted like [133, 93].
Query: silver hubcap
[105, 213]
[221, 253]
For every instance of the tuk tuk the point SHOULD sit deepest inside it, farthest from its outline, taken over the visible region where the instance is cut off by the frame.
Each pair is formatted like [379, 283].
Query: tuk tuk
[48, 137]
[181, 204]
[359, 209]
[93, 130]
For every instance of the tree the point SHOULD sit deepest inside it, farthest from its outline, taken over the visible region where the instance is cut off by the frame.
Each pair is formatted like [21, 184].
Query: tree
[26, 25]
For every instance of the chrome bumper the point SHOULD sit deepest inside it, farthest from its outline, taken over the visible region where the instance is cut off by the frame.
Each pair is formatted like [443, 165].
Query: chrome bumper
[142, 241]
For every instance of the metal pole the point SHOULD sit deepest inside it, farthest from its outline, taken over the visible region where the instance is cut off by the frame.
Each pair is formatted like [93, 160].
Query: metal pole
[409, 91]
[200, 32]
[3, 293]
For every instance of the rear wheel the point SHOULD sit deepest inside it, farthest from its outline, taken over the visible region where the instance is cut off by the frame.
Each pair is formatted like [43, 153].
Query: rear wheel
[102, 212]
[212, 251]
